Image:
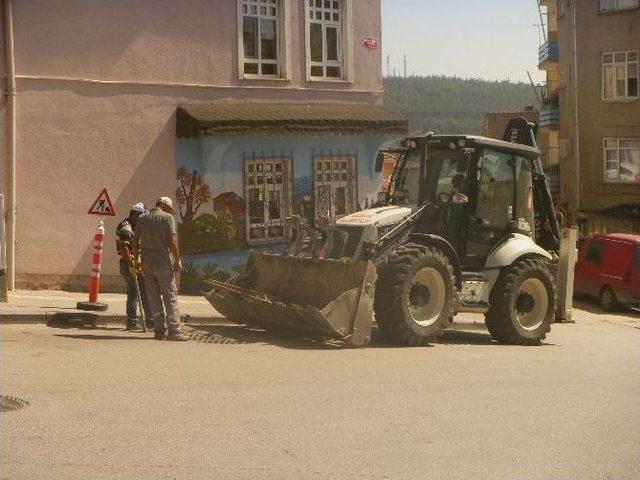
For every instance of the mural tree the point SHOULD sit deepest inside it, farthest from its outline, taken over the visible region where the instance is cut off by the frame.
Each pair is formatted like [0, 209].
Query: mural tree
[191, 194]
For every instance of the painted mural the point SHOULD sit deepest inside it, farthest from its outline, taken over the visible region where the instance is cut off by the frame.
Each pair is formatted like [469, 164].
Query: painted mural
[234, 193]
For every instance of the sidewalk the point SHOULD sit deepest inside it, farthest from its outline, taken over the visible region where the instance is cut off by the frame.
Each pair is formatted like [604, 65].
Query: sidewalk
[55, 306]
[46, 306]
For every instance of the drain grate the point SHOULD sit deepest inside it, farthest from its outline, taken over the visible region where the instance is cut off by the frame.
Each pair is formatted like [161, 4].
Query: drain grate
[9, 404]
[206, 337]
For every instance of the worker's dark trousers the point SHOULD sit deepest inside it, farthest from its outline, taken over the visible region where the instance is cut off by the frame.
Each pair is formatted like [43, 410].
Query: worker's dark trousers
[132, 297]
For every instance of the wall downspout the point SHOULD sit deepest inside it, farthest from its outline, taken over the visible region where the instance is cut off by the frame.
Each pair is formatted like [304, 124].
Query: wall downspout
[576, 117]
[11, 142]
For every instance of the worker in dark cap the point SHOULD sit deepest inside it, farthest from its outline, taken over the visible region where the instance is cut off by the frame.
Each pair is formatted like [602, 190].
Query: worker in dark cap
[129, 266]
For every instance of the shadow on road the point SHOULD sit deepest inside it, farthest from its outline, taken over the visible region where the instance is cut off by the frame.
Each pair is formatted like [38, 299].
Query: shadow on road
[458, 337]
[462, 337]
[243, 335]
[74, 320]
[86, 336]
[240, 335]
[85, 322]
[590, 305]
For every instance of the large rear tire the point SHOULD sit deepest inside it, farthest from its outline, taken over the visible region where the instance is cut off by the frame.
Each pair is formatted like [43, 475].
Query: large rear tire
[415, 294]
[523, 304]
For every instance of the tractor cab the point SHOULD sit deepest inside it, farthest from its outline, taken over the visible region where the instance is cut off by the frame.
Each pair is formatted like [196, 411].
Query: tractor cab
[482, 190]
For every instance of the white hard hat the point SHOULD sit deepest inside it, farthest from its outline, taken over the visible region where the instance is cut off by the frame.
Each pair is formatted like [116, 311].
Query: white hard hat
[166, 201]
[138, 207]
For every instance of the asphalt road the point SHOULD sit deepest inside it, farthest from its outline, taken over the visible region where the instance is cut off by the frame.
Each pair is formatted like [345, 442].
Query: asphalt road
[235, 403]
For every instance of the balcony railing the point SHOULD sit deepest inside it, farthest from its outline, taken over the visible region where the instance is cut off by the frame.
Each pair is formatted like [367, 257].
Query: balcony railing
[548, 53]
[550, 116]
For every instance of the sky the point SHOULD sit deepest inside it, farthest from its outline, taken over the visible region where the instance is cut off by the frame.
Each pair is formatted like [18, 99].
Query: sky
[488, 39]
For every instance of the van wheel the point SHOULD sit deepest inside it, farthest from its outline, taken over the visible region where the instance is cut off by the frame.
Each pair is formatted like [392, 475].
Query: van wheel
[608, 300]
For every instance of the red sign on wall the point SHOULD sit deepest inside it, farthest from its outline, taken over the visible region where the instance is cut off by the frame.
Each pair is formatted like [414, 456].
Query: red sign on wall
[102, 205]
[371, 42]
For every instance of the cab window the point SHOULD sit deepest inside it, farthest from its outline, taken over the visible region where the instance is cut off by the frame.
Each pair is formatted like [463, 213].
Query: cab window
[407, 188]
[454, 165]
[524, 198]
[496, 188]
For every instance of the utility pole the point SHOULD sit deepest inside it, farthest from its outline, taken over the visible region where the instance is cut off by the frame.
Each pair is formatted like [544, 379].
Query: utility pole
[404, 61]
[388, 64]
[544, 33]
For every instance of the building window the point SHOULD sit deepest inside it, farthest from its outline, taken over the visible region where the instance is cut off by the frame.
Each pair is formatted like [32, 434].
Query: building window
[622, 160]
[258, 20]
[268, 196]
[324, 24]
[620, 75]
[618, 5]
[334, 180]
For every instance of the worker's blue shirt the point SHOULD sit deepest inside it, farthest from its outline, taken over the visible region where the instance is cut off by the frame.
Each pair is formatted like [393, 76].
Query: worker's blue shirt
[124, 236]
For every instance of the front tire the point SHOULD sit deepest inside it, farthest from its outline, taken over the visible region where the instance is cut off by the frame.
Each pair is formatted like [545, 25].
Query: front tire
[523, 304]
[415, 294]
[608, 300]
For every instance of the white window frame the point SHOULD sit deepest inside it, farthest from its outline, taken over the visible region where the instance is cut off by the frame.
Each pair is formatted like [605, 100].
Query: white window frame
[607, 6]
[254, 169]
[283, 41]
[345, 43]
[338, 171]
[614, 65]
[617, 149]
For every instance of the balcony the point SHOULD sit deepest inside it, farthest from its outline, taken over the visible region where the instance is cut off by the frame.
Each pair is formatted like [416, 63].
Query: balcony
[547, 54]
[550, 116]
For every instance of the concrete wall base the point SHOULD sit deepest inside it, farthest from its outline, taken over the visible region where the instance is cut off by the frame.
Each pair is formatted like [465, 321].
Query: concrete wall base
[69, 283]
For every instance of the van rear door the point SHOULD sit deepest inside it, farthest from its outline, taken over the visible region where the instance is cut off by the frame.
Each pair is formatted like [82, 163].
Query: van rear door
[616, 263]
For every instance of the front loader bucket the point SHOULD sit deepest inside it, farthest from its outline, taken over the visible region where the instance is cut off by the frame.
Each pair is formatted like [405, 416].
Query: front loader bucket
[321, 298]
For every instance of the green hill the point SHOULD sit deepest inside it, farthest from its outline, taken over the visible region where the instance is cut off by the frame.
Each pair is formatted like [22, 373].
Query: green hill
[450, 104]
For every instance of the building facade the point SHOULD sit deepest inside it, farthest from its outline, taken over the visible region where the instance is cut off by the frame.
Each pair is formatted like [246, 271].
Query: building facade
[591, 113]
[244, 111]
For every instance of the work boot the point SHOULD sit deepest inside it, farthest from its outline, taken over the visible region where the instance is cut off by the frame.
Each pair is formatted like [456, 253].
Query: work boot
[159, 334]
[178, 337]
[132, 326]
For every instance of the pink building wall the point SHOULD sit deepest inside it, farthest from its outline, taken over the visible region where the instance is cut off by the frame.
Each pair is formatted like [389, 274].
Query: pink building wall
[98, 84]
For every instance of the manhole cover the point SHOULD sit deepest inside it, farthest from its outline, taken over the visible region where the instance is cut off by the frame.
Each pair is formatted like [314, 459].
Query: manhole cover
[9, 404]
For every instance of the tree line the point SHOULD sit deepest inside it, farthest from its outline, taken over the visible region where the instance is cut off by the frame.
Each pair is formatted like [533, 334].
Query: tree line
[450, 104]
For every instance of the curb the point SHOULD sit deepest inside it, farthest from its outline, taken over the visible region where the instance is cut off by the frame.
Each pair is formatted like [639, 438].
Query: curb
[91, 319]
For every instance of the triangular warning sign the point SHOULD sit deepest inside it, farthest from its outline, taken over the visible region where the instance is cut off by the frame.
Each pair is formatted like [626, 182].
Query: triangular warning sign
[102, 205]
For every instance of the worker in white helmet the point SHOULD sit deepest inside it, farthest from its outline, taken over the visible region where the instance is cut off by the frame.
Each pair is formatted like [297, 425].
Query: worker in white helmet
[156, 237]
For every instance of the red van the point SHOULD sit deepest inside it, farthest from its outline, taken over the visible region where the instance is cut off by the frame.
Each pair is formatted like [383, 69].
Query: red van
[608, 269]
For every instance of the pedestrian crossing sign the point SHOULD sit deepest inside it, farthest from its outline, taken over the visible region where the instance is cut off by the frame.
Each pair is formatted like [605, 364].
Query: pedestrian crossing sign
[102, 205]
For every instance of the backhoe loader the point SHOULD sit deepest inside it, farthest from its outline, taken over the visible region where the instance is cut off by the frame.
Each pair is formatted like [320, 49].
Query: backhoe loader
[467, 224]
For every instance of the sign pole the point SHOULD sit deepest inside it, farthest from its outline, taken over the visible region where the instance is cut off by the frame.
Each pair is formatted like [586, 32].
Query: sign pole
[94, 280]
[101, 206]
[4, 284]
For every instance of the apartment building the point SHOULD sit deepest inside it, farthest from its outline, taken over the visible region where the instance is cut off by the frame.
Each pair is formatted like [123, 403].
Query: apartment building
[590, 120]
[275, 104]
